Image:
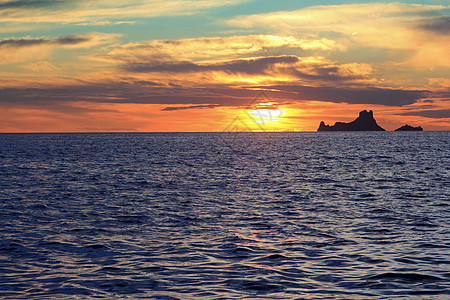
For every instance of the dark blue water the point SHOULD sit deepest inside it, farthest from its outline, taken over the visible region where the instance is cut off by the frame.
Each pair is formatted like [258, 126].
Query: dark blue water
[225, 216]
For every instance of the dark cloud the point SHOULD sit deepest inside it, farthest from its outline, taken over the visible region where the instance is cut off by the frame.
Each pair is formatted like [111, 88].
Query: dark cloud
[441, 94]
[323, 73]
[189, 107]
[434, 114]
[368, 95]
[422, 106]
[28, 42]
[213, 95]
[118, 92]
[439, 25]
[17, 43]
[29, 4]
[176, 67]
[71, 40]
[146, 83]
[251, 66]
[56, 106]
[257, 66]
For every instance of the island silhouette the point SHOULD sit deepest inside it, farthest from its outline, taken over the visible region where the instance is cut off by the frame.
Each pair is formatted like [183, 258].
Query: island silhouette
[365, 122]
[409, 128]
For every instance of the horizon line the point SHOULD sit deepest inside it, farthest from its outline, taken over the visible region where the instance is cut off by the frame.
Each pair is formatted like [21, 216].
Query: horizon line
[140, 132]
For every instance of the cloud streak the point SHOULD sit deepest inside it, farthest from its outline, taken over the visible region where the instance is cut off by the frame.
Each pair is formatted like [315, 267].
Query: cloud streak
[68, 40]
[248, 66]
[71, 11]
[172, 108]
[368, 95]
[291, 68]
[15, 50]
[31, 4]
[434, 114]
[216, 48]
[440, 25]
[208, 95]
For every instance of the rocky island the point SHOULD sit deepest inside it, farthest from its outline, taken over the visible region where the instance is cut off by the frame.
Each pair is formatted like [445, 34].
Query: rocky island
[365, 122]
[409, 128]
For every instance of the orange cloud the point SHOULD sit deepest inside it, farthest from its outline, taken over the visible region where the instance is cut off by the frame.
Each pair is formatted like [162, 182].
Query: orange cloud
[234, 60]
[214, 48]
[407, 27]
[40, 66]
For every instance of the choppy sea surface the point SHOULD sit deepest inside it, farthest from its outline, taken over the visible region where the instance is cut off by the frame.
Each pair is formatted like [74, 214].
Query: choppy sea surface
[323, 215]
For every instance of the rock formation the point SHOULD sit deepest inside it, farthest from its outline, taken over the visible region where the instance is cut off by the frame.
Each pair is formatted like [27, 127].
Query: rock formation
[409, 128]
[365, 122]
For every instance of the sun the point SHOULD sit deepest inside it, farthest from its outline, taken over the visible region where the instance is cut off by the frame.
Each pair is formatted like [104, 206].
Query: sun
[266, 112]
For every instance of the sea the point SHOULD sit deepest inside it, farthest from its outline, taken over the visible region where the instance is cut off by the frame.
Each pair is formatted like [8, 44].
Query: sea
[251, 215]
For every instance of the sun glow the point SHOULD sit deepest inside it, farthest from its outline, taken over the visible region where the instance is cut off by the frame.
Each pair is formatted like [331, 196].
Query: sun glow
[266, 112]
[266, 115]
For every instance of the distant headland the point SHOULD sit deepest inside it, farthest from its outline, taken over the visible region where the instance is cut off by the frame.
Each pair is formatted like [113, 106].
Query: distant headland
[365, 122]
[409, 128]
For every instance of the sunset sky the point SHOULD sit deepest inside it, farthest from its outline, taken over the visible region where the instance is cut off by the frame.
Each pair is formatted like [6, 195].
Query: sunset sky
[200, 65]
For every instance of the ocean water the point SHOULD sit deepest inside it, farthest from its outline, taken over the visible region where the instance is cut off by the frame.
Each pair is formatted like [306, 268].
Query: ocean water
[329, 215]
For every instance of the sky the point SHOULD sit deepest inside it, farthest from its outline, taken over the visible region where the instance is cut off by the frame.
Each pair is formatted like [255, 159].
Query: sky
[211, 65]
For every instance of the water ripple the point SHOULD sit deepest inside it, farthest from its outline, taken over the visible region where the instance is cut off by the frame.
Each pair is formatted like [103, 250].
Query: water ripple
[181, 216]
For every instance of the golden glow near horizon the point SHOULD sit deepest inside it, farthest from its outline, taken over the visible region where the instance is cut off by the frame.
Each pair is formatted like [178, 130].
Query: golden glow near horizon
[197, 66]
